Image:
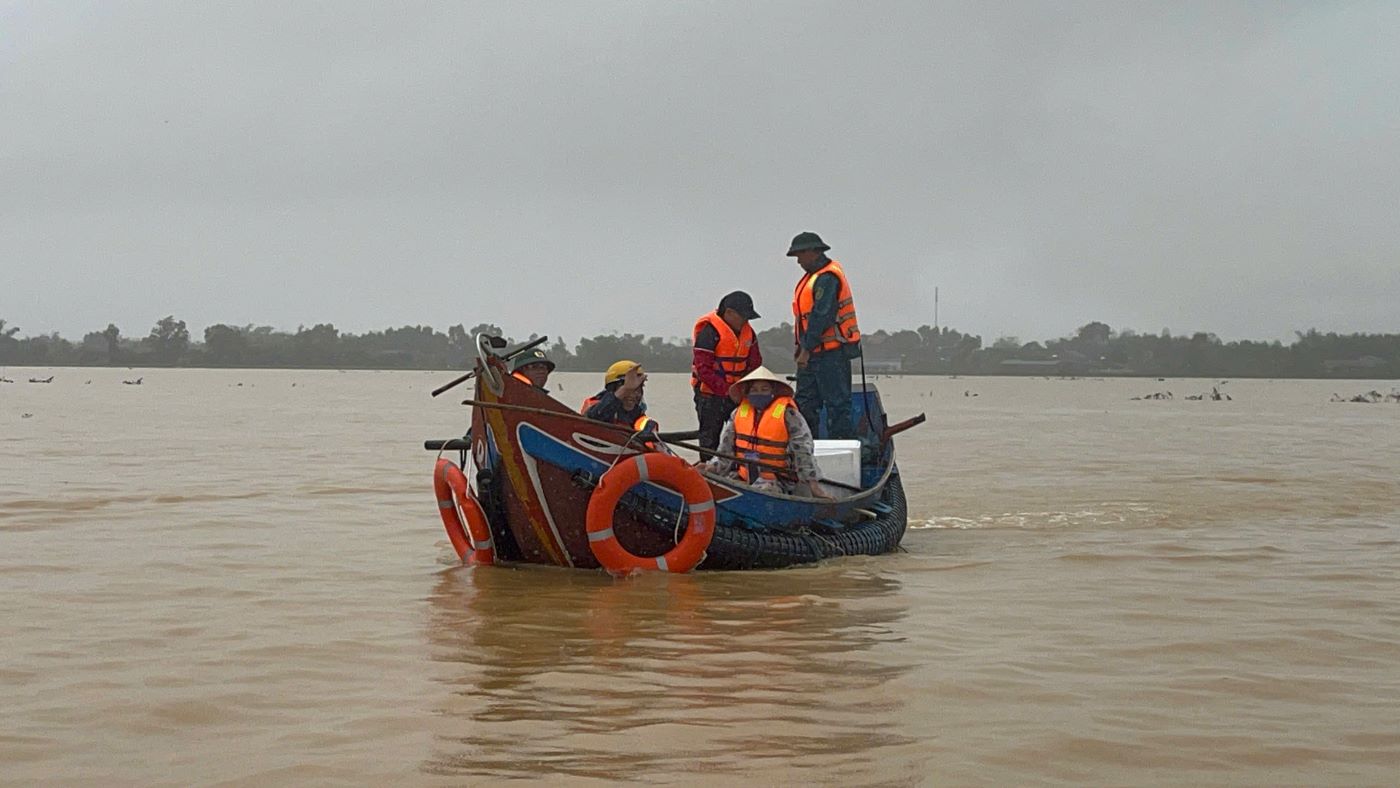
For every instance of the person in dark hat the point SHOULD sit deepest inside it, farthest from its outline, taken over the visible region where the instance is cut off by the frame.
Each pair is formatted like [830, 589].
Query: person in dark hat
[827, 337]
[533, 367]
[725, 350]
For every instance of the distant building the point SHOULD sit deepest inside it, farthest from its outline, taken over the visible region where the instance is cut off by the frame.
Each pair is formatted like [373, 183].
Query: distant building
[1032, 366]
[1067, 363]
[1353, 364]
[884, 366]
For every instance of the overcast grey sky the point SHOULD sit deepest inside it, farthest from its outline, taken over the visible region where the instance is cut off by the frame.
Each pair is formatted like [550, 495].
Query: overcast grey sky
[573, 168]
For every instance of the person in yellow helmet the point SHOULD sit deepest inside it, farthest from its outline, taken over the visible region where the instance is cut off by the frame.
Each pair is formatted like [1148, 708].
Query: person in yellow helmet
[621, 400]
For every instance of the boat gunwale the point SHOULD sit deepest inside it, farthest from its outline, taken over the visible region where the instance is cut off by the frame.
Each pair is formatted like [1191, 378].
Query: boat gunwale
[738, 486]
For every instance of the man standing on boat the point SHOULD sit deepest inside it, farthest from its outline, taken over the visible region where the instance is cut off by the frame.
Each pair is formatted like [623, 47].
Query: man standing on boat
[725, 350]
[621, 400]
[827, 337]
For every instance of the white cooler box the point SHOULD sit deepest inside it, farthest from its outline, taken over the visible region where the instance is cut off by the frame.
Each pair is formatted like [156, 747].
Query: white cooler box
[839, 461]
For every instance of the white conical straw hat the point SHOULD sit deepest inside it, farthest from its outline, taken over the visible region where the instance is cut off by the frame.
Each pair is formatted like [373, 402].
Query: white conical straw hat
[736, 391]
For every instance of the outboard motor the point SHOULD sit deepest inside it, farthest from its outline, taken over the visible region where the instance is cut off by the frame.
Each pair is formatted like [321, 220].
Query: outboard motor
[868, 412]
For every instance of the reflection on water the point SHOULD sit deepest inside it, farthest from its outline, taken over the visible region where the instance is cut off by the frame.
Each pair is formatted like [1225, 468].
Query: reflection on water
[580, 674]
[208, 583]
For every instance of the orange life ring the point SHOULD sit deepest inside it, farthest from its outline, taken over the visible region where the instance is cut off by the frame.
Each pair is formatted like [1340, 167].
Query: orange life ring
[669, 471]
[472, 544]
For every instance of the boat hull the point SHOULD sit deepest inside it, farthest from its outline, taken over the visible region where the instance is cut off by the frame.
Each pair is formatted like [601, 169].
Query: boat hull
[534, 464]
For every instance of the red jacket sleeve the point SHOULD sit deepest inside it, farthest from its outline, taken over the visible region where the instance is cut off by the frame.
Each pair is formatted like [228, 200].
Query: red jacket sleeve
[755, 358]
[707, 370]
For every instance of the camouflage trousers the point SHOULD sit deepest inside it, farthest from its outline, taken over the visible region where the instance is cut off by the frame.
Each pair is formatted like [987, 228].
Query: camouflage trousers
[825, 385]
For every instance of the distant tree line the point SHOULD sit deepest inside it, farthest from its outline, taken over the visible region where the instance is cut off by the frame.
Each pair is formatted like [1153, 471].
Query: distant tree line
[1095, 349]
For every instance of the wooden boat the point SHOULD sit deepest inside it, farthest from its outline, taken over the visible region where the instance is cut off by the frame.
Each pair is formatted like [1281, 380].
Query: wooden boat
[533, 466]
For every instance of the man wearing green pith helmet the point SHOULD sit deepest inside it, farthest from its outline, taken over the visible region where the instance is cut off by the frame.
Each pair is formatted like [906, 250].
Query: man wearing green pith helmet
[826, 337]
[533, 367]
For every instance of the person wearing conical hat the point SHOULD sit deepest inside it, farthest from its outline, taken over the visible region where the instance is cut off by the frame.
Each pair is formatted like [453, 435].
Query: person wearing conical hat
[771, 436]
[532, 367]
[827, 337]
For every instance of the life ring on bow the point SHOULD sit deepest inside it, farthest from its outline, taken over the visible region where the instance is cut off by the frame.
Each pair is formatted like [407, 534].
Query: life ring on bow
[473, 543]
[669, 471]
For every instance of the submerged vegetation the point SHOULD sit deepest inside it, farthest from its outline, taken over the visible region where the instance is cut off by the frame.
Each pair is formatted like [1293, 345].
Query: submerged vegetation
[1094, 349]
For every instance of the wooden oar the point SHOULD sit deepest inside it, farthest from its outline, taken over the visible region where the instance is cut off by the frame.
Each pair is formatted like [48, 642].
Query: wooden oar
[463, 444]
[606, 425]
[895, 429]
[788, 475]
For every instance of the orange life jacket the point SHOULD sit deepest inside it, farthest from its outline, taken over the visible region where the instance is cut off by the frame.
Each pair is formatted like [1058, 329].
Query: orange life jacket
[844, 331]
[732, 352]
[642, 423]
[762, 438]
